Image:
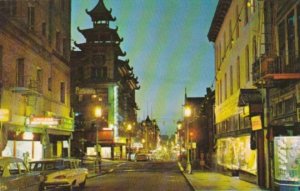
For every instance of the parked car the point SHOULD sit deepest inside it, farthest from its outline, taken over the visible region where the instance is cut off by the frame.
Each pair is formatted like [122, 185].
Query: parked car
[14, 175]
[60, 173]
[141, 157]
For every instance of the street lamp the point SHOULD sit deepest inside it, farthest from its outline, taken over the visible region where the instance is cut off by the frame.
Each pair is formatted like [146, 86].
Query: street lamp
[179, 126]
[129, 128]
[98, 114]
[187, 114]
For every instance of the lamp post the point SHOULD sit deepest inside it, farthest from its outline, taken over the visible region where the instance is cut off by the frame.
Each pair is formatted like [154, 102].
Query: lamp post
[179, 126]
[129, 128]
[98, 114]
[187, 114]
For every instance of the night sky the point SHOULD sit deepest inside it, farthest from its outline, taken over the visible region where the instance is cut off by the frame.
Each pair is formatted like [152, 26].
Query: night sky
[166, 44]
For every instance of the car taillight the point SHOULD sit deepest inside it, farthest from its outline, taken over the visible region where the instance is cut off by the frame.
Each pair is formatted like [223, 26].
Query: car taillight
[60, 177]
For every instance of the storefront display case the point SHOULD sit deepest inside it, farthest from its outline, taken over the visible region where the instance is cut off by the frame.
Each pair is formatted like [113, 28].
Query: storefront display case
[287, 162]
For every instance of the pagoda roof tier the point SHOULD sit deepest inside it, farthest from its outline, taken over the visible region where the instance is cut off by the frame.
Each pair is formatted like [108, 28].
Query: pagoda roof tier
[100, 13]
[100, 47]
[100, 33]
[124, 67]
[132, 81]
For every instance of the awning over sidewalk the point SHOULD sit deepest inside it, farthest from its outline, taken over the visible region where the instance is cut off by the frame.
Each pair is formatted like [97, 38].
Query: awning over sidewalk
[249, 96]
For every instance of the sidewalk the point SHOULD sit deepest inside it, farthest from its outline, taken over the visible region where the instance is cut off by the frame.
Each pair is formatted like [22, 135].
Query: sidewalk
[207, 180]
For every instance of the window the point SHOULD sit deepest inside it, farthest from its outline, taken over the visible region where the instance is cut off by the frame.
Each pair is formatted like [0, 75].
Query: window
[30, 18]
[65, 47]
[217, 92]
[254, 48]
[216, 56]
[57, 41]
[39, 79]
[50, 84]
[230, 35]
[298, 27]
[20, 72]
[238, 77]
[225, 85]
[62, 5]
[247, 63]
[1, 62]
[44, 29]
[231, 81]
[99, 73]
[220, 56]
[220, 95]
[246, 11]
[291, 37]
[62, 92]
[281, 41]
[224, 45]
[8, 7]
[237, 25]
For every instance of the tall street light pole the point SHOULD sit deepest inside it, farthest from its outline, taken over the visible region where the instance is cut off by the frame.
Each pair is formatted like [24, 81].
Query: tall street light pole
[129, 128]
[179, 126]
[98, 114]
[187, 114]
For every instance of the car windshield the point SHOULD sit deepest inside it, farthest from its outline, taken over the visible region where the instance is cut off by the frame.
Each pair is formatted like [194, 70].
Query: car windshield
[46, 165]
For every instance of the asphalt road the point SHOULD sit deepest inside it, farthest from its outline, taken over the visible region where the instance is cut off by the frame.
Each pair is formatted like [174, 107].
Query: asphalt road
[158, 176]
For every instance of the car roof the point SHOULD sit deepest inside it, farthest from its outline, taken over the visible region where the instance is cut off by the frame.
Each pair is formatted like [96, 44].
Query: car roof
[5, 160]
[54, 159]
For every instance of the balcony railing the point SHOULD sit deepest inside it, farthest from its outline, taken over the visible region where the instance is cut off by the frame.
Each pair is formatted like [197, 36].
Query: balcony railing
[276, 68]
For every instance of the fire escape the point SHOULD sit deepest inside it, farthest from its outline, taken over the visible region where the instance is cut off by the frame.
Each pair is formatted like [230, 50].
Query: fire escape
[271, 70]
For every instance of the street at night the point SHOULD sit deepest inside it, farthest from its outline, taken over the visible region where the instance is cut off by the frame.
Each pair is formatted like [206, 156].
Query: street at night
[141, 176]
[163, 95]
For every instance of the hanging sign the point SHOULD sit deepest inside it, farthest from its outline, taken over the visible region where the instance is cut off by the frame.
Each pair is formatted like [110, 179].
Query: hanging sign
[256, 123]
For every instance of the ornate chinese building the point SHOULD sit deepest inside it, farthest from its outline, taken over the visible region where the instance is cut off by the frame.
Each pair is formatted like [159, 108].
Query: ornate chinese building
[100, 77]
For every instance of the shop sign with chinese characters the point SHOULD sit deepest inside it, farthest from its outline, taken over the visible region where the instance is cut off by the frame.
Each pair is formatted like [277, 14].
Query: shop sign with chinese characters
[42, 121]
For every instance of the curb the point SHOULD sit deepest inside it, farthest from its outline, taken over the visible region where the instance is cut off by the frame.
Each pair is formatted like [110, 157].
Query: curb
[183, 173]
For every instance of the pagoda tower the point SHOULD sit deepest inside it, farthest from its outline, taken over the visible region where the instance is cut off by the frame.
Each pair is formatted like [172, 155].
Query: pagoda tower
[101, 78]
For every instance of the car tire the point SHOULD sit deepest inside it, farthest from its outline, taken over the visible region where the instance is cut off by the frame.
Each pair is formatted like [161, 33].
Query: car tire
[82, 185]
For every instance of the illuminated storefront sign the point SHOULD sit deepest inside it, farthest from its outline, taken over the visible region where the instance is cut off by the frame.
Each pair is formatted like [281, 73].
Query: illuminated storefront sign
[4, 115]
[256, 123]
[42, 121]
[85, 91]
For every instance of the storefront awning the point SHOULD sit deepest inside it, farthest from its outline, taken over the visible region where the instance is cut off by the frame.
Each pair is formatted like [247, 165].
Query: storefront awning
[249, 96]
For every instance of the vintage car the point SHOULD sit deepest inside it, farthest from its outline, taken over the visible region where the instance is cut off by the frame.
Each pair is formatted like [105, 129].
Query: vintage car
[14, 175]
[60, 173]
[141, 157]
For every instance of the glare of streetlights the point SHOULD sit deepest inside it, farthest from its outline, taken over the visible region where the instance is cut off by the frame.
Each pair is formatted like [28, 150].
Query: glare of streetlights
[98, 112]
[179, 125]
[187, 111]
[129, 127]
[143, 140]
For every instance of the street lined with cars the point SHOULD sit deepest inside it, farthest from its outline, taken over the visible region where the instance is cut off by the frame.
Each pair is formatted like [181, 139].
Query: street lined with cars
[14, 175]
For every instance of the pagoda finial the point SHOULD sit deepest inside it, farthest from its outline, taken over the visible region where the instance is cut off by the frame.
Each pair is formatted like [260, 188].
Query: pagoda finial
[100, 13]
